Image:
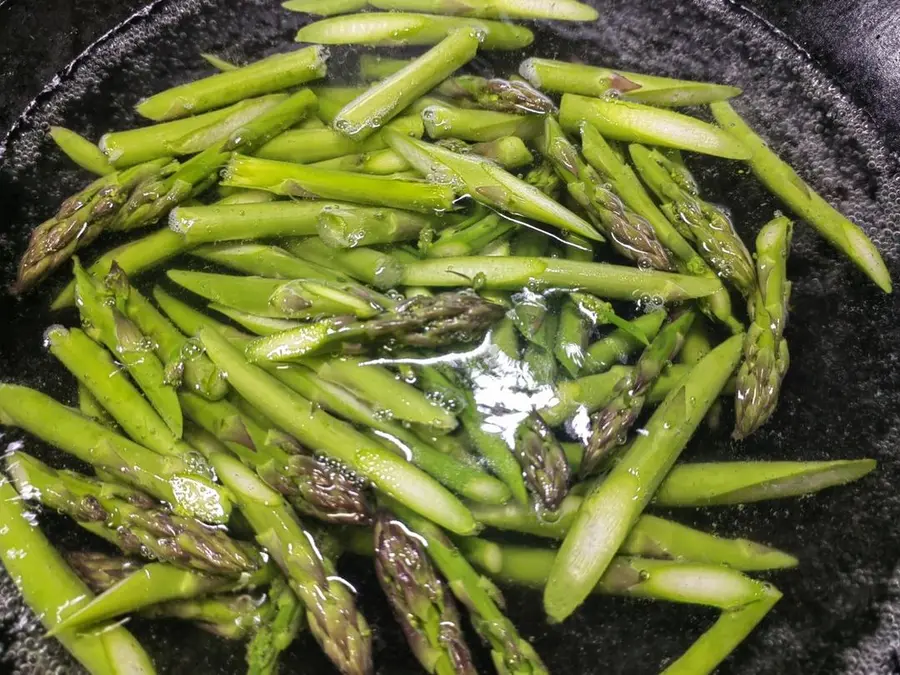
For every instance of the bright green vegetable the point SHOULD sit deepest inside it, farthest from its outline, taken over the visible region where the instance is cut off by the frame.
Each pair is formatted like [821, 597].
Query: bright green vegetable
[81, 151]
[446, 121]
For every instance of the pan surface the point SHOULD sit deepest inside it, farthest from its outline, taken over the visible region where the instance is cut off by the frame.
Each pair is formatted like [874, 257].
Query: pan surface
[841, 607]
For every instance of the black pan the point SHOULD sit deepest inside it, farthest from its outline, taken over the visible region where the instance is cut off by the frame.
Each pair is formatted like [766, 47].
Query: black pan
[838, 123]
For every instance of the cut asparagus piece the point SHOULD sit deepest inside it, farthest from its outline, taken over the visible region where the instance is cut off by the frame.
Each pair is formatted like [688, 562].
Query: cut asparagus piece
[81, 151]
[468, 124]
[514, 96]
[352, 226]
[566, 10]
[327, 8]
[615, 347]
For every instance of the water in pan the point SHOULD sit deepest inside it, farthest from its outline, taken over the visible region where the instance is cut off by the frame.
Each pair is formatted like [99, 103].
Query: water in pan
[841, 611]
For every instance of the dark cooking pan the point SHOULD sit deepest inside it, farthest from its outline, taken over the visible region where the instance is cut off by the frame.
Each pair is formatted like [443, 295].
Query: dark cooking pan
[837, 120]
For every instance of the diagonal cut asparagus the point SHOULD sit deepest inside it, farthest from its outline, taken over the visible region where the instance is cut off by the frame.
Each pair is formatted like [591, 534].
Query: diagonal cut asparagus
[512, 96]
[272, 262]
[399, 29]
[267, 75]
[469, 124]
[385, 99]
[615, 347]
[471, 235]
[578, 78]
[53, 591]
[566, 10]
[329, 8]
[638, 123]
[81, 151]
[766, 355]
[615, 503]
[785, 184]
[347, 226]
[368, 265]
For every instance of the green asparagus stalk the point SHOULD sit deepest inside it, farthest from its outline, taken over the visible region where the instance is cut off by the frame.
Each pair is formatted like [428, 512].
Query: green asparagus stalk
[421, 600]
[543, 461]
[53, 591]
[612, 507]
[280, 624]
[510, 152]
[131, 520]
[631, 235]
[766, 355]
[263, 260]
[544, 177]
[101, 571]
[511, 96]
[572, 335]
[650, 537]
[385, 99]
[245, 112]
[399, 29]
[785, 184]
[469, 124]
[374, 67]
[329, 8]
[612, 166]
[471, 236]
[569, 10]
[167, 478]
[349, 226]
[611, 424]
[297, 299]
[322, 433]
[265, 76]
[615, 347]
[294, 180]
[218, 222]
[81, 151]
[607, 281]
[578, 78]
[702, 223]
[91, 408]
[638, 123]
[260, 325]
[333, 618]
[509, 651]
[378, 162]
[370, 266]
[218, 62]
[443, 319]
[488, 184]
[729, 630]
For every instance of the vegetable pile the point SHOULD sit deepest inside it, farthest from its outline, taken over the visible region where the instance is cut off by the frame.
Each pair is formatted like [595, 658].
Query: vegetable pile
[399, 319]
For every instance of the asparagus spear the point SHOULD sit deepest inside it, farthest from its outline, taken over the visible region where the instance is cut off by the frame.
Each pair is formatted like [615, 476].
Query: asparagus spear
[329, 8]
[379, 162]
[90, 407]
[377, 67]
[167, 478]
[638, 123]
[101, 571]
[544, 177]
[443, 319]
[543, 461]
[607, 281]
[53, 591]
[385, 99]
[351, 226]
[273, 73]
[399, 29]
[631, 235]
[707, 226]
[323, 433]
[81, 151]
[279, 625]
[294, 180]
[105, 323]
[617, 345]
[511, 96]
[218, 222]
[333, 618]
[420, 599]
[263, 260]
[471, 235]
[578, 78]
[785, 184]
[260, 325]
[373, 267]
[568, 10]
[297, 299]
[610, 425]
[131, 520]
[218, 62]
[612, 507]
[766, 355]
[446, 121]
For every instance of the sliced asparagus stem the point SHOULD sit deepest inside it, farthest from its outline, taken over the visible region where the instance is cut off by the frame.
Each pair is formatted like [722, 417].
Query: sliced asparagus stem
[378, 162]
[515, 96]
[201, 139]
[91, 408]
[785, 184]
[268, 75]
[638, 123]
[445, 121]
[263, 260]
[81, 151]
[399, 29]
[567, 10]
[615, 347]
[376, 67]
[471, 236]
[370, 266]
[353, 226]
[329, 8]
[578, 78]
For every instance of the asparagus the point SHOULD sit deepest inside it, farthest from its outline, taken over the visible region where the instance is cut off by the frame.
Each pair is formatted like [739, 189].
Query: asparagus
[785, 184]
[607, 281]
[328, 8]
[510, 152]
[420, 599]
[297, 299]
[349, 226]
[271, 74]
[766, 355]
[385, 99]
[399, 29]
[81, 151]
[374, 67]
[488, 184]
[612, 507]
[333, 618]
[568, 10]
[260, 325]
[471, 235]
[282, 620]
[263, 260]
[443, 319]
[613, 168]
[726, 634]
[445, 121]
[218, 222]
[683, 582]
[543, 461]
[638, 123]
[101, 571]
[244, 113]
[90, 407]
[131, 520]
[294, 180]
[617, 345]
[651, 537]
[631, 235]
[511, 96]
[53, 591]
[107, 324]
[544, 177]
[218, 62]
[323, 433]
[370, 266]
[378, 162]
[610, 425]
[578, 78]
